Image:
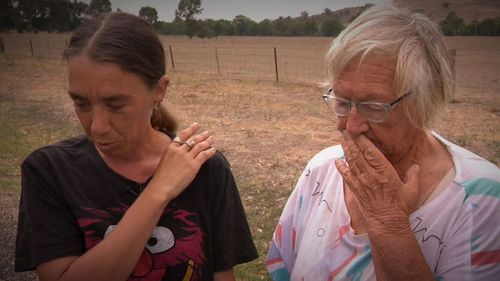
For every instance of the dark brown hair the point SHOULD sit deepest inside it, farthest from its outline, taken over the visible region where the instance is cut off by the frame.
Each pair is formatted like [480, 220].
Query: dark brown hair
[130, 42]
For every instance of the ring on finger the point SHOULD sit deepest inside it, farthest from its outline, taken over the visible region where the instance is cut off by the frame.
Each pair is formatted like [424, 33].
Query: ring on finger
[178, 140]
[190, 144]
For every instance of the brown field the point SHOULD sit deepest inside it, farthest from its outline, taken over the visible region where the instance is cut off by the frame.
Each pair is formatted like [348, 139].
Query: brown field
[267, 130]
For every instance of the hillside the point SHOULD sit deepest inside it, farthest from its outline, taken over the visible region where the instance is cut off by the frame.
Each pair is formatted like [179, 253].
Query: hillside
[468, 10]
[345, 15]
[437, 10]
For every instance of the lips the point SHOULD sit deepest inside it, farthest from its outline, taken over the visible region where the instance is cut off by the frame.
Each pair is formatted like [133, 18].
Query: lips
[105, 146]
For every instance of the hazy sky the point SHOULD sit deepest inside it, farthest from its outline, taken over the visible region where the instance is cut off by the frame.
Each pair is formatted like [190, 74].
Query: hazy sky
[257, 10]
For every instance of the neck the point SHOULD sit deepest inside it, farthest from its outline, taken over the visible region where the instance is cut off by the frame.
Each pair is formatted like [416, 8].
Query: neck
[142, 163]
[412, 153]
[152, 143]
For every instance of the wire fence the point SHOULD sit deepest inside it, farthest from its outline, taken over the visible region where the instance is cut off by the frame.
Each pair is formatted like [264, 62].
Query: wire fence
[289, 59]
[261, 60]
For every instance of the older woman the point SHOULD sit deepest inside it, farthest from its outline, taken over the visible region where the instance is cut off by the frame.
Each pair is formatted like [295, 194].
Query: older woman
[394, 201]
[129, 200]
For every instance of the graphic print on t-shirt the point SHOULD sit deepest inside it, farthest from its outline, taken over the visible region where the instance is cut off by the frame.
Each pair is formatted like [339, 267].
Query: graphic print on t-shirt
[174, 250]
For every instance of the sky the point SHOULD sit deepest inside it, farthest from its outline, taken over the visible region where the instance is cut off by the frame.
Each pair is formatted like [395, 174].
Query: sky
[256, 10]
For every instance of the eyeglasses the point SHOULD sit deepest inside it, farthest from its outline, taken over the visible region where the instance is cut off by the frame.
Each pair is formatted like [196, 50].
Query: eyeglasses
[375, 112]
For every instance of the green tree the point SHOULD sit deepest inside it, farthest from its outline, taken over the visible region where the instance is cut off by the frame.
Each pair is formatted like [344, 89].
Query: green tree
[59, 15]
[99, 6]
[78, 11]
[244, 25]
[27, 14]
[149, 13]
[186, 11]
[309, 27]
[331, 27]
[205, 29]
[223, 27]
[489, 27]
[472, 28]
[453, 25]
[286, 27]
[7, 15]
[265, 28]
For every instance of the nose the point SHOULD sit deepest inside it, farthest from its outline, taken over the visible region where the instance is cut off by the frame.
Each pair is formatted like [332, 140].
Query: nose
[354, 123]
[100, 122]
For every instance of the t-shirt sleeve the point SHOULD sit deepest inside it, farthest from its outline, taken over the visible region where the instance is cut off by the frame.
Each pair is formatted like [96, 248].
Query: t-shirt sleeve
[281, 256]
[47, 229]
[232, 241]
[473, 252]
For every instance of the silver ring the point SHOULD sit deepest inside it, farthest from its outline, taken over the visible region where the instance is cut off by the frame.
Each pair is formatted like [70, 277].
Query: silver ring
[178, 140]
[190, 144]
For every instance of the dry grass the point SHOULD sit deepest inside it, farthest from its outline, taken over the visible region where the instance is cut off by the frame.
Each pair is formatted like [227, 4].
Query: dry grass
[267, 130]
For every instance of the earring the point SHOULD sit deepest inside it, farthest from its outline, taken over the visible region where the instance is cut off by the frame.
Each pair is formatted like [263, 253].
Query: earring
[156, 107]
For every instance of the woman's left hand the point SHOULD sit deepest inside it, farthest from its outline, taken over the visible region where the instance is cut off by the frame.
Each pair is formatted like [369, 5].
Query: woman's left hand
[382, 197]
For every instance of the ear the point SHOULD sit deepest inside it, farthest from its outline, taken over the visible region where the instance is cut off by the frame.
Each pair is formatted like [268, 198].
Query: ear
[161, 89]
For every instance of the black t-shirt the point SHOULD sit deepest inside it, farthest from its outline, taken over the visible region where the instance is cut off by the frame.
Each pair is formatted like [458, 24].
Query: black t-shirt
[71, 200]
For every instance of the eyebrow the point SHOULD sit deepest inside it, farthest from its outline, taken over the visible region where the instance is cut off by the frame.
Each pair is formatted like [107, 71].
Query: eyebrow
[112, 98]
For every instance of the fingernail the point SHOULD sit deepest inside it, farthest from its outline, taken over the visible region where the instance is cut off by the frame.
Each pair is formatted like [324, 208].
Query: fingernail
[205, 132]
[194, 124]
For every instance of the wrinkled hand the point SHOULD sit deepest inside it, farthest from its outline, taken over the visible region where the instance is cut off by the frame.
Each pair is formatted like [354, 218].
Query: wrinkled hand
[181, 162]
[379, 191]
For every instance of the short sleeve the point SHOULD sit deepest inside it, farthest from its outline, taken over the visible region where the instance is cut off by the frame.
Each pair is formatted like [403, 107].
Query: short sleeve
[47, 229]
[232, 240]
[280, 258]
[473, 253]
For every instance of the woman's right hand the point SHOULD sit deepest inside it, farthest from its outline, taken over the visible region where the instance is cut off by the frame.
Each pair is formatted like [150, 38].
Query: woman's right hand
[181, 161]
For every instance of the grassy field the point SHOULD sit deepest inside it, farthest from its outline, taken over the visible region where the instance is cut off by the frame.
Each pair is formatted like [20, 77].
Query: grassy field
[267, 130]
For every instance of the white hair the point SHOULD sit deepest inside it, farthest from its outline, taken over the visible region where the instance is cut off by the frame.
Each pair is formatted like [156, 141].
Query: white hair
[415, 46]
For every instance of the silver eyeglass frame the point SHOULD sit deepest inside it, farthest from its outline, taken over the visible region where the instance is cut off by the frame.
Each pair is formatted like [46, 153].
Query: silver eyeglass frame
[386, 106]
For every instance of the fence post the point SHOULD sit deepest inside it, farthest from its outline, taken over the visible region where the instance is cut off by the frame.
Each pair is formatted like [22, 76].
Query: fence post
[171, 56]
[2, 46]
[453, 53]
[31, 48]
[217, 60]
[276, 64]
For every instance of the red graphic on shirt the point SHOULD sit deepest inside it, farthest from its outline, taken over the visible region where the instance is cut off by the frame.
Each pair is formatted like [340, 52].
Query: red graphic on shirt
[175, 245]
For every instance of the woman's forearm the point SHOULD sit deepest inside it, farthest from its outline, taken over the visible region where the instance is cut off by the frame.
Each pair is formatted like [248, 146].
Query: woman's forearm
[396, 253]
[115, 257]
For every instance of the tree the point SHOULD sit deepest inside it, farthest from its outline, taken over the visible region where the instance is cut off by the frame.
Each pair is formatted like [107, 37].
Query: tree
[149, 14]
[59, 15]
[186, 11]
[77, 13]
[472, 28]
[7, 15]
[453, 25]
[331, 27]
[310, 28]
[243, 25]
[204, 29]
[486, 27]
[26, 15]
[99, 6]
[265, 28]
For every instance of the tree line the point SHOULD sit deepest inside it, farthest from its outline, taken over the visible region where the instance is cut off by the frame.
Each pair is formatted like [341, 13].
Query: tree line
[453, 25]
[66, 15]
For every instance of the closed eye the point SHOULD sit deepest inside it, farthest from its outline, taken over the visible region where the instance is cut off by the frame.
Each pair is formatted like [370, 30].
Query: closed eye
[115, 106]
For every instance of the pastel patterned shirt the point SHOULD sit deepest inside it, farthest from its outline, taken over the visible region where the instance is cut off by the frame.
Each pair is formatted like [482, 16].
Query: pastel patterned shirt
[458, 231]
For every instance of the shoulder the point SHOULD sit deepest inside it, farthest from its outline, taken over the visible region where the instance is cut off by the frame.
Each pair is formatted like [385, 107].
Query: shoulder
[468, 165]
[479, 177]
[218, 161]
[59, 151]
[325, 158]
[319, 169]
